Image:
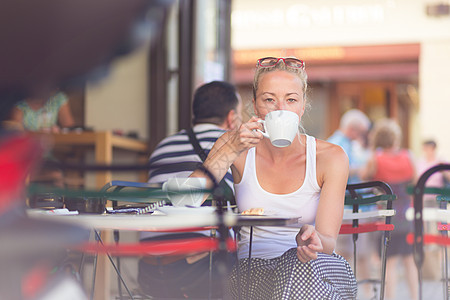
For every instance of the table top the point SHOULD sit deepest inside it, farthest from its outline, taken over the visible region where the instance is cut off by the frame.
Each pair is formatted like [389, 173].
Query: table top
[86, 138]
[161, 222]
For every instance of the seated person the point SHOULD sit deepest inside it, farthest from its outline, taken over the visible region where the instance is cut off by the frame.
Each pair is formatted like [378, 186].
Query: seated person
[306, 179]
[216, 109]
[36, 114]
[47, 115]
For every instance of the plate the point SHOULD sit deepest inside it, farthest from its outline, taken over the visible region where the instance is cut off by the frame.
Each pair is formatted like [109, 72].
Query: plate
[172, 210]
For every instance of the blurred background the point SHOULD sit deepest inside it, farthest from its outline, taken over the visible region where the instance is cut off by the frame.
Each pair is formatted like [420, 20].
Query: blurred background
[389, 58]
[130, 67]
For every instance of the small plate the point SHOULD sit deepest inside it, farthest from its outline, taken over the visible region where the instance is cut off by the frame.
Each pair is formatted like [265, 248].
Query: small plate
[172, 210]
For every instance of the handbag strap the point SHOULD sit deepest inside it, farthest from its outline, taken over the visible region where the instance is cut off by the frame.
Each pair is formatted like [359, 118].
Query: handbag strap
[228, 192]
[195, 143]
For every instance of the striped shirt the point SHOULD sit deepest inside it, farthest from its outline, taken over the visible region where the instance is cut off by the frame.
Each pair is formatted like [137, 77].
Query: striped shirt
[175, 156]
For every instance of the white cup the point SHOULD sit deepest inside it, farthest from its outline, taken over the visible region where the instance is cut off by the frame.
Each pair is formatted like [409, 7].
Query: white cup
[281, 127]
[183, 191]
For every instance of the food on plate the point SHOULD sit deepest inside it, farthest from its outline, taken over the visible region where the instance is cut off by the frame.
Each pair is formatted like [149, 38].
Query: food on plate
[258, 211]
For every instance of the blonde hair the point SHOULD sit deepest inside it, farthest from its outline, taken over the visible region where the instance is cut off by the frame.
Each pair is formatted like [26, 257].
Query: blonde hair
[280, 66]
[386, 134]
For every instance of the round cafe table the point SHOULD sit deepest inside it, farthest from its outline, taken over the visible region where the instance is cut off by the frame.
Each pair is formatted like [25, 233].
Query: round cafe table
[162, 222]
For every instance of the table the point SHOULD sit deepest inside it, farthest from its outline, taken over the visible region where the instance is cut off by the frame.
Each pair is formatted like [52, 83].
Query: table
[149, 222]
[161, 222]
[104, 142]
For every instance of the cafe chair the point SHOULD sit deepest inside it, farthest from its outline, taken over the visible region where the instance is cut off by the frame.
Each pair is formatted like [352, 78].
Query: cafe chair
[358, 195]
[438, 216]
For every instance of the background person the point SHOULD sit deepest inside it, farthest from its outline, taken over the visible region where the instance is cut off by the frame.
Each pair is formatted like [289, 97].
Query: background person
[428, 159]
[395, 166]
[46, 115]
[37, 114]
[216, 108]
[352, 137]
[353, 128]
[306, 179]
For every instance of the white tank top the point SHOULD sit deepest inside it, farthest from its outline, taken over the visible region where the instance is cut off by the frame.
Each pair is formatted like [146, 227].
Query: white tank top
[269, 241]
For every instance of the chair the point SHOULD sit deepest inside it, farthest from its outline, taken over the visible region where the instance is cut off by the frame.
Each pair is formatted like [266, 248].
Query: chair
[366, 193]
[440, 215]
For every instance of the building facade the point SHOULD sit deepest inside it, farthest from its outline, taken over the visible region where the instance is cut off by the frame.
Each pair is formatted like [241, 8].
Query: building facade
[387, 58]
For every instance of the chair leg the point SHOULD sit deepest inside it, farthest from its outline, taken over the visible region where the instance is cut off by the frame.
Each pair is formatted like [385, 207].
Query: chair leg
[249, 260]
[445, 269]
[114, 266]
[210, 280]
[355, 238]
[94, 272]
[238, 271]
[385, 242]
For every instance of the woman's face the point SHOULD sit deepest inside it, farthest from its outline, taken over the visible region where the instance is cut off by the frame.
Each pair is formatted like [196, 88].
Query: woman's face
[279, 90]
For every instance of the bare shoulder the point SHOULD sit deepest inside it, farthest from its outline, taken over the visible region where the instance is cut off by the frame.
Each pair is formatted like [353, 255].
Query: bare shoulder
[329, 151]
[331, 159]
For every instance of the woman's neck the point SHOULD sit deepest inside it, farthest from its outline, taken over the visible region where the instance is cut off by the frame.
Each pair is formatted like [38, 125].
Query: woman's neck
[276, 153]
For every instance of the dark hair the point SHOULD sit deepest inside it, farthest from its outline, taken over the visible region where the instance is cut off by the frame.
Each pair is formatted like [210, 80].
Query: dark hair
[213, 101]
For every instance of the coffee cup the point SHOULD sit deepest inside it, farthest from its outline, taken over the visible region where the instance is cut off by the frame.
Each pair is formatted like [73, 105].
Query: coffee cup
[281, 127]
[185, 191]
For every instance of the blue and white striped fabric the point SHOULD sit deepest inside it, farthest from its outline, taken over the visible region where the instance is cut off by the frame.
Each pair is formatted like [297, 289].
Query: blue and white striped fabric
[175, 157]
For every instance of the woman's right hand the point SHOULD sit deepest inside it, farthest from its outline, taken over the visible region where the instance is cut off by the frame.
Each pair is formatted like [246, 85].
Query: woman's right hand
[228, 148]
[247, 135]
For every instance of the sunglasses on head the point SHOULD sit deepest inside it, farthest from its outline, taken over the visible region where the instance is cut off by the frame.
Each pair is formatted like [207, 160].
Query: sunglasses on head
[273, 61]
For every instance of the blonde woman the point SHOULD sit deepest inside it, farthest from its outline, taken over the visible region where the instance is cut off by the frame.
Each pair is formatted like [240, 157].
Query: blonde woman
[394, 165]
[306, 179]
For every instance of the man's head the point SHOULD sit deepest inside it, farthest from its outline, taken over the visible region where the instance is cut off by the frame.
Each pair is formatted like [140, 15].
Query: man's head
[354, 124]
[218, 103]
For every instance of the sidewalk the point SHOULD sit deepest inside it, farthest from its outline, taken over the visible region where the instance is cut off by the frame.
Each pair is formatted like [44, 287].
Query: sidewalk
[431, 290]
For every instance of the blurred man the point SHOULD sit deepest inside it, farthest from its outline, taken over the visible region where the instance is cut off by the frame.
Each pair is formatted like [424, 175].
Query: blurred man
[216, 108]
[353, 129]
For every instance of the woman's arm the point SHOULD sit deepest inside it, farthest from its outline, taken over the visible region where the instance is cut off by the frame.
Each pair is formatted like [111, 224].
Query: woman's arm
[332, 175]
[65, 118]
[16, 115]
[227, 149]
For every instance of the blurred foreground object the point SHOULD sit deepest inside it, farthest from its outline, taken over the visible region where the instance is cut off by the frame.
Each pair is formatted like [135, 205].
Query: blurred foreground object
[28, 247]
[50, 43]
[18, 156]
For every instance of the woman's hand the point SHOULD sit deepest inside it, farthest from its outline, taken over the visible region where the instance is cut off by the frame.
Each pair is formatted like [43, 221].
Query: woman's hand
[308, 243]
[246, 136]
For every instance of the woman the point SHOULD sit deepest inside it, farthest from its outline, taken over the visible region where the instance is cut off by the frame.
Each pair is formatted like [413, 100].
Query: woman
[395, 166]
[306, 179]
[40, 114]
